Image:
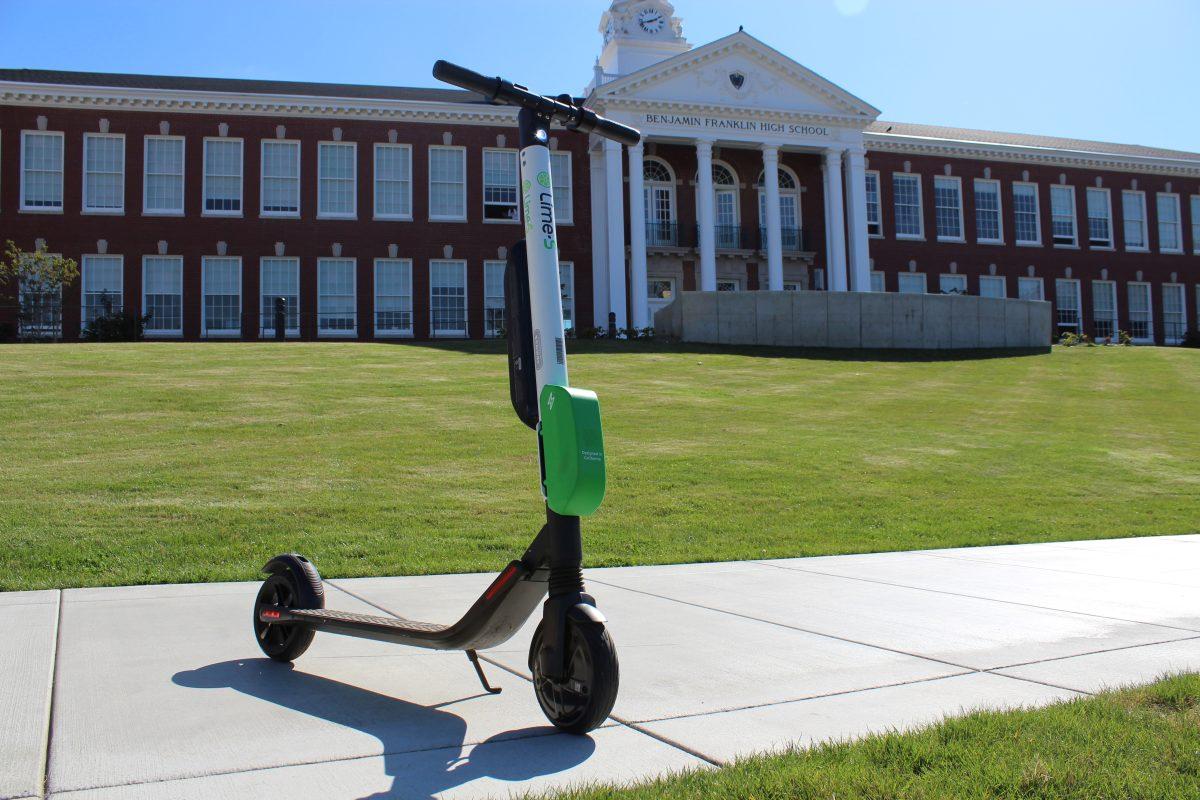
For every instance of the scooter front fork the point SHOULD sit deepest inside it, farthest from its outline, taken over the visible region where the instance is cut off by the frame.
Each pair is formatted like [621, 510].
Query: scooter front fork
[566, 595]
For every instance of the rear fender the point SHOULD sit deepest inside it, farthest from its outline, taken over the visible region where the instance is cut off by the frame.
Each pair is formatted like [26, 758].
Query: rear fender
[310, 590]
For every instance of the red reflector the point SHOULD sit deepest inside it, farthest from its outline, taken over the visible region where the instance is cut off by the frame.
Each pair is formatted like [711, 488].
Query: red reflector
[504, 578]
[270, 614]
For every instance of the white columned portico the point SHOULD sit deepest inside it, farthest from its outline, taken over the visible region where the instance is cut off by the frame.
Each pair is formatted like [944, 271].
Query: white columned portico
[835, 236]
[856, 211]
[774, 234]
[616, 232]
[599, 240]
[638, 298]
[708, 220]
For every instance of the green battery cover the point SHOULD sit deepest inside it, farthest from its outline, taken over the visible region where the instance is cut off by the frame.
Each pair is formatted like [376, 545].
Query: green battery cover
[573, 450]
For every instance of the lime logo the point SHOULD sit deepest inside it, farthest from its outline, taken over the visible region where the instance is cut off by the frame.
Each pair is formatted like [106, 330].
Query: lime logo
[526, 185]
[544, 179]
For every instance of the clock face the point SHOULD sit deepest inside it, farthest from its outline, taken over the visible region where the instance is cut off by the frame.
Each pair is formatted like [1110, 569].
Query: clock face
[651, 20]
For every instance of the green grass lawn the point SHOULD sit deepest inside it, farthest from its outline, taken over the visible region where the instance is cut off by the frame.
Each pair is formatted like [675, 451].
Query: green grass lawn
[196, 462]
[1138, 744]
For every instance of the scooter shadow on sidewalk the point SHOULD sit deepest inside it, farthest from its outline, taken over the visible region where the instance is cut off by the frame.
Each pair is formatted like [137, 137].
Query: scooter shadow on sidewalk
[405, 730]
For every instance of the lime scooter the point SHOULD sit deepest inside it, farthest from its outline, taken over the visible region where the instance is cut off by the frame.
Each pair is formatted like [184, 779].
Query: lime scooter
[571, 657]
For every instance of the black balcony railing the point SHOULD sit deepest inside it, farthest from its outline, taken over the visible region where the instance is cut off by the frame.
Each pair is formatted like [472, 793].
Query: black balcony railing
[725, 237]
[792, 239]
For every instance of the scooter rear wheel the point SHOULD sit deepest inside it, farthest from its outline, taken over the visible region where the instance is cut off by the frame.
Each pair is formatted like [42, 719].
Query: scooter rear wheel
[281, 642]
[582, 701]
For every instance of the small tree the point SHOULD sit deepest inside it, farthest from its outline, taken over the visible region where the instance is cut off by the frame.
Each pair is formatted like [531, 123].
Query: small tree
[39, 278]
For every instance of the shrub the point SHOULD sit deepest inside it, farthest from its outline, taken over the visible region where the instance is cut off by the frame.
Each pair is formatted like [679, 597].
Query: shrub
[116, 326]
[1190, 339]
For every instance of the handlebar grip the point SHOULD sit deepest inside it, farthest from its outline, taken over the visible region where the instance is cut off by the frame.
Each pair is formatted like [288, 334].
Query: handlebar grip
[618, 132]
[466, 79]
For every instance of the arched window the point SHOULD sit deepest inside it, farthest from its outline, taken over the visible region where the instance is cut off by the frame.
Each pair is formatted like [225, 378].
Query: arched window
[789, 209]
[659, 189]
[725, 206]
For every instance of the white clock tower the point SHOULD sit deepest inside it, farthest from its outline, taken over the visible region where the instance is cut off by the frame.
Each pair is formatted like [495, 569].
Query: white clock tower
[638, 33]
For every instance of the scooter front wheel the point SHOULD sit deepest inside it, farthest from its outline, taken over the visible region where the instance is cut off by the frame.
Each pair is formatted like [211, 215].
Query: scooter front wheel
[583, 699]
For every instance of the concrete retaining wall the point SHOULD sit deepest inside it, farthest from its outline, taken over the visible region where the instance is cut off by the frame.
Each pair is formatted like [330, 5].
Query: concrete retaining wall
[855, 319]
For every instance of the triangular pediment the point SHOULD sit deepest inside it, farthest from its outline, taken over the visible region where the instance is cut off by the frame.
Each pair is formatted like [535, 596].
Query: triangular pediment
[738, 72]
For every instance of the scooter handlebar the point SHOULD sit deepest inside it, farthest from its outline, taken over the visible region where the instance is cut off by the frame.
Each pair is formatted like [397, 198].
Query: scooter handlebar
[561, 108]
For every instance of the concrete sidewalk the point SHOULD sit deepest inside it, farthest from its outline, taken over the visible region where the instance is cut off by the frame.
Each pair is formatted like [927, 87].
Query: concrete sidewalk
[161, 692]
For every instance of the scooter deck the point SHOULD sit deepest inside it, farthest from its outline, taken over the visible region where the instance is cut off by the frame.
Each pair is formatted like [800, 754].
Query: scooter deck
[383, 623]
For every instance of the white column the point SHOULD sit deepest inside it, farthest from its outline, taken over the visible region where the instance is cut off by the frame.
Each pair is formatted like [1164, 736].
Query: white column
[772, 224]
[835, 269]
[638, 299]
[708, 217]
[856, 214]
[615, 209]
[599, 241]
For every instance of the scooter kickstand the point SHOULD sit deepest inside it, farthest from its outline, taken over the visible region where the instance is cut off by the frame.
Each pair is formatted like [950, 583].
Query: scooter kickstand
[474, 658]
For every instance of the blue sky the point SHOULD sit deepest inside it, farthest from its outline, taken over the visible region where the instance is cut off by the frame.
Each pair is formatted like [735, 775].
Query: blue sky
[1116, 70]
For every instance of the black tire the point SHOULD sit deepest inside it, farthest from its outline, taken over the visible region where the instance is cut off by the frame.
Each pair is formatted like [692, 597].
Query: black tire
[284, 642]
[582, 701]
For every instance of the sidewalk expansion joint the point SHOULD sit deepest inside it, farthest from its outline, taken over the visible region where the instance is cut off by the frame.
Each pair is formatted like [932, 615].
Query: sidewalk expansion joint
[58, 632]
[484, 657]
[879, 582]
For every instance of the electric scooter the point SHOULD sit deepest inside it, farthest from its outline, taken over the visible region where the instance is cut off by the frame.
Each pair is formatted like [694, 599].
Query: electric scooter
[572, 657]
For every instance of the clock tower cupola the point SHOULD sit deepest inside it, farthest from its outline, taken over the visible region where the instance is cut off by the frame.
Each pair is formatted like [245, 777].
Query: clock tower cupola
[638, 33]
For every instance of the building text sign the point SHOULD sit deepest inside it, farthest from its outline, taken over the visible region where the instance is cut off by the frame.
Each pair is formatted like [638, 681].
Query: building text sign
[747, 125]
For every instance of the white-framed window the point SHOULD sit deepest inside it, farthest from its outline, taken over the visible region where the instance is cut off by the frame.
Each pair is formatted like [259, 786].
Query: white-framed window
[726, 208]
[393, 297]
[1104, 309]
[1026, 214]
[1062, 216]
[447, 298]
[447, 183]
[41, 171]
[221, 296]
[566, 286]
[729, 285]
[1195, 209]
[562, 180]
[393, 182]
[878, 281]
[789, 209]
[1030, 289]
[337, 180]
[947, 202]
[493, 298]
[911, 282]
[162, 295]
[1099, 212]
[949, 283]
[1141, 312]
[989, 225]
[906, 194]
[1133, 208]
[336, 308]
[41, 310]
[501, 186]
[659, 189]
[103, 285]
[280, 190]
[993, 286]
[222, 177]
[874, 221]
[1067, 304]
[103, 173]
[1174, 305]
[661, 291]
[279, 277]
[1170, 239]
[163, 181]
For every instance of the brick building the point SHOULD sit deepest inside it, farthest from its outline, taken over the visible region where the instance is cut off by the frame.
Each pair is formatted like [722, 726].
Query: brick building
[385, 212]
